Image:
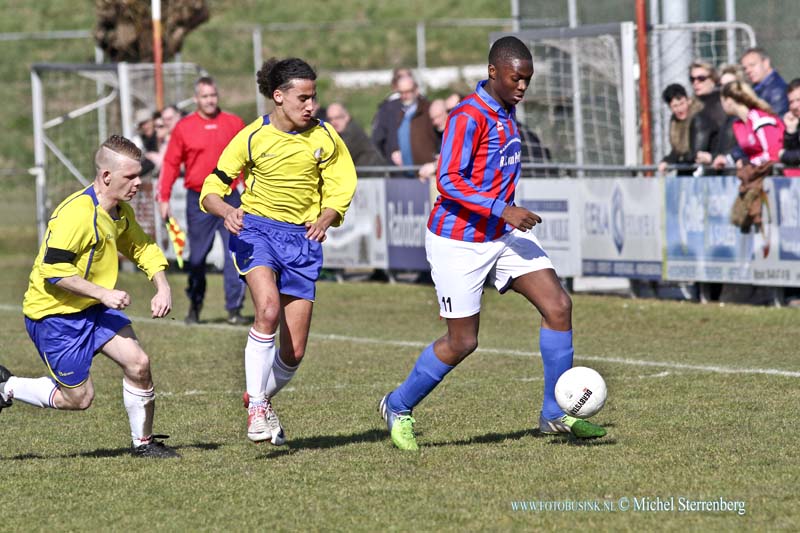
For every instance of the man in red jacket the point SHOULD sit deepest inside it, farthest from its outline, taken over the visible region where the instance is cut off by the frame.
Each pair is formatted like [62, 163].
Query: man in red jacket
[197, 142]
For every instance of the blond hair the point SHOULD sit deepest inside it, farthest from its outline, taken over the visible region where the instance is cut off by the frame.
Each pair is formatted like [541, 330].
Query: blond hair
[712, 72]
[732, 68]
[743, 93]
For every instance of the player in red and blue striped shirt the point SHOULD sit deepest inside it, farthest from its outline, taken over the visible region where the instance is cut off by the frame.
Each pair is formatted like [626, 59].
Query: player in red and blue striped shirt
[476, 233]
[478, 169]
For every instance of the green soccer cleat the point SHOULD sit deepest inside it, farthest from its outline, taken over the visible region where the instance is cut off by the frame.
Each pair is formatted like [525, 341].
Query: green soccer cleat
[582, 429]
[401, 427]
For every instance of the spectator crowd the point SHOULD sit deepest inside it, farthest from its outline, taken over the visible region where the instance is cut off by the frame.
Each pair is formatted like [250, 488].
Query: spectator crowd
[735, 115]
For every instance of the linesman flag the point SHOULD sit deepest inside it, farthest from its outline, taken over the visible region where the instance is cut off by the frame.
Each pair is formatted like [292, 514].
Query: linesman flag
[178, 239]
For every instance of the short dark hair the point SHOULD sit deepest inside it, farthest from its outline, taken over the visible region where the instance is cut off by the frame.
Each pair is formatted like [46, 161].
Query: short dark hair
[793, 85]
[673, 91]
[507, 49]
[204, 80]
[755, 50]
[278, 74]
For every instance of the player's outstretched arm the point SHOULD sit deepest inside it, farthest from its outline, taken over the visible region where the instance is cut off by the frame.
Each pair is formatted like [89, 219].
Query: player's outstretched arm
[111, 298]
[161, 304]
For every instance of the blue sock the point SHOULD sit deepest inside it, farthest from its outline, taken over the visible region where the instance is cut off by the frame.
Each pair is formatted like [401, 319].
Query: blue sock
[557, 352]
[428, 371]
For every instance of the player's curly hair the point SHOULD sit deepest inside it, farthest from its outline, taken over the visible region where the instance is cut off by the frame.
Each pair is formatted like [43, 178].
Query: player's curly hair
[278, 74]
[507, 49]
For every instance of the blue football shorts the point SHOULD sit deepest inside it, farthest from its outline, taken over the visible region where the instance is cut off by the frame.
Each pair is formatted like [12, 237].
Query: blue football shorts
[68, 343]
[283, 248]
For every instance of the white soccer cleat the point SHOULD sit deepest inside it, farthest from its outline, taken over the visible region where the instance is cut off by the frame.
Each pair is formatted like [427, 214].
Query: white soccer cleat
[257, 427]
[277, 436]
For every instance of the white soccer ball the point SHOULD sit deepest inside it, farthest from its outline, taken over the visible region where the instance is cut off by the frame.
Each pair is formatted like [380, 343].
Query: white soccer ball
[581, 392]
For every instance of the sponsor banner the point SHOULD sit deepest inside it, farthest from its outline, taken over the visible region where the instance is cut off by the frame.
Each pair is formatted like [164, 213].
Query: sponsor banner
[702, 244]
[360, 242]
[787, 213]
[556, 201]
[408, 206]
[621, 227]
[625, 269]
[700, 240]
[596, 227]
[776, 245]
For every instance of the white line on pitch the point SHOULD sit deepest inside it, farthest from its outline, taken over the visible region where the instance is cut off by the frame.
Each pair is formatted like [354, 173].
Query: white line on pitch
[594, 358]
[514, 353]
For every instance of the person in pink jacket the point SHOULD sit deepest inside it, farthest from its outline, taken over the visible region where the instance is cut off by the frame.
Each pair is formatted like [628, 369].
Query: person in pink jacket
[758, 130]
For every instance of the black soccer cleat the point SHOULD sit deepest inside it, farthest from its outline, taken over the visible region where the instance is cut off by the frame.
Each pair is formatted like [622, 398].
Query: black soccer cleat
[155, 448]
[4, 375]
[235, 318]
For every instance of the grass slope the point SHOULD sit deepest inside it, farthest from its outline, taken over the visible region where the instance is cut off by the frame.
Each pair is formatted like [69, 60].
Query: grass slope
[223, 46]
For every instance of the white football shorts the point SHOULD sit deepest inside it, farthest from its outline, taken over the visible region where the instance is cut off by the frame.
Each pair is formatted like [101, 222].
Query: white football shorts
[459, 269]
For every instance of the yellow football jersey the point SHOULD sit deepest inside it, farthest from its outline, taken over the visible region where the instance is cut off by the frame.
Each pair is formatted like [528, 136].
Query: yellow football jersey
[83, 240]
[290, 177]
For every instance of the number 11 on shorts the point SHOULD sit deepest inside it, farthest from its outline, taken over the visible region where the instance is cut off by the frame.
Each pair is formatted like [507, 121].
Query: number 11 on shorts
[447, 305]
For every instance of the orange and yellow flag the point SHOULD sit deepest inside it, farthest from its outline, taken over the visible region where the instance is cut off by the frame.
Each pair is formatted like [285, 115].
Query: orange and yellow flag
[178, 239]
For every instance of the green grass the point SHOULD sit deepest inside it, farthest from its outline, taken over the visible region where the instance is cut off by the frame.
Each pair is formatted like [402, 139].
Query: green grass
[685, 426]
[675, 429]
[672, 432]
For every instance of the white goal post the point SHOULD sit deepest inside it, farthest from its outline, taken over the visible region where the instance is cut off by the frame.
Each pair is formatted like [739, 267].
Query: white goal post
[584, 99]
[77, 106]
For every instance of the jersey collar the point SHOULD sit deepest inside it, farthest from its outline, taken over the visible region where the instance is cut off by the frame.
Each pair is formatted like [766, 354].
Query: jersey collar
[491, 102]
[265, 121]
[91, 194]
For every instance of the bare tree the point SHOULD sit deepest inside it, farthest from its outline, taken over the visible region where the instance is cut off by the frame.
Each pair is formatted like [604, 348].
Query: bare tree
[124, 28]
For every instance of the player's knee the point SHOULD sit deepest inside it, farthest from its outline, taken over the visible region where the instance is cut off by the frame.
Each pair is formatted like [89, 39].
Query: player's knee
[463, 345]
[85, 401]
[266, 318]
[293, 353]
[77, 399]
[565, 305]
[559, 312]
[138, 369]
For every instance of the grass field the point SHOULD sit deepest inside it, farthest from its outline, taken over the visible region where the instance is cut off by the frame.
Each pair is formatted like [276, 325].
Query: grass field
[697, 409]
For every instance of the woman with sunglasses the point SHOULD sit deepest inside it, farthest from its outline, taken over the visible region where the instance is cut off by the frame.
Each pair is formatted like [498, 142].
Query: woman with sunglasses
[708, 122]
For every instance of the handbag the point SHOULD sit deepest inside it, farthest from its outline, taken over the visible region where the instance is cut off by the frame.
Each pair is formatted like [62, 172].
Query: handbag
[746, 209]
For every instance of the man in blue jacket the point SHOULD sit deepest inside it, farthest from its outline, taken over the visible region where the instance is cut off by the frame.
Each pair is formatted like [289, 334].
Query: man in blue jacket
[768, 84]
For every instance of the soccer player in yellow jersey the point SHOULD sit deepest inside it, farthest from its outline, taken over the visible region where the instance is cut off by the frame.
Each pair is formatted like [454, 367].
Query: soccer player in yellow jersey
[72, 308]
[300, 180]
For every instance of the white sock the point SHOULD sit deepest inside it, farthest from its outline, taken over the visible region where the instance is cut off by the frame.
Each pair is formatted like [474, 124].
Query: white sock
[280, 375]
[258, 356]
[140, 404]
[35, 391]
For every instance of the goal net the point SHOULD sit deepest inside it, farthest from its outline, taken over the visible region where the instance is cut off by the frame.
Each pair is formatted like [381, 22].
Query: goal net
[577, 101]
[77, 106]
[673, 47]
[583, 102]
